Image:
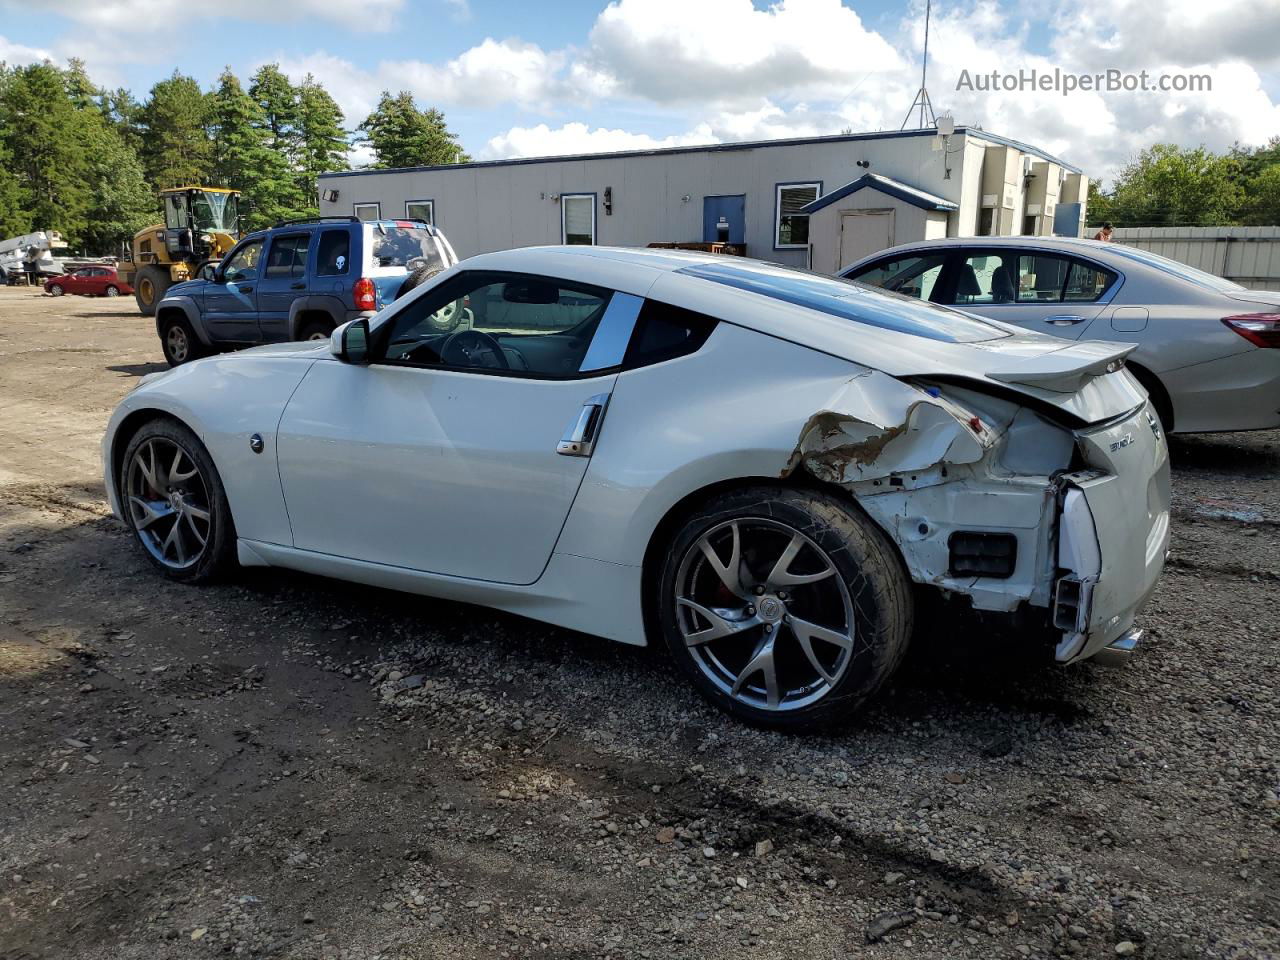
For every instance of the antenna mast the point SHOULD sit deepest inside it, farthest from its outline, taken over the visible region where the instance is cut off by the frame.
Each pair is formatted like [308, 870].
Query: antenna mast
[922, 97]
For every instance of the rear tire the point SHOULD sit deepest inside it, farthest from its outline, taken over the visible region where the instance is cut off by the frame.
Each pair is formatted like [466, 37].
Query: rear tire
[814, 593]
[113, 291]
[179, 342]
[175, 505]
[315, 330]
[149, 290]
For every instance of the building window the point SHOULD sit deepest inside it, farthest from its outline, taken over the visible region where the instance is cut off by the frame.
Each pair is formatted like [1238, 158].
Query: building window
[578, 218]
[420, 210]
[986, 225]
[367, 211]
[792, 227]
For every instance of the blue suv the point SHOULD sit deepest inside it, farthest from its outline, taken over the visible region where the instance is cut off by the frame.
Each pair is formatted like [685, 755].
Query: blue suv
[296, 281]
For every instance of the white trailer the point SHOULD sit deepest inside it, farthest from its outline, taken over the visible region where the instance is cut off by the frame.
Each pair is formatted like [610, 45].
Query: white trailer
[16, 251]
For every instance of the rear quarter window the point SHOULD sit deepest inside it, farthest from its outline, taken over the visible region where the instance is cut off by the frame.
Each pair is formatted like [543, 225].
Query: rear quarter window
[399, 247]
[856, 302]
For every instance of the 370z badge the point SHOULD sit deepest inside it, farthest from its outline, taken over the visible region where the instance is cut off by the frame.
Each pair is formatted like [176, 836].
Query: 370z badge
[1122, 442]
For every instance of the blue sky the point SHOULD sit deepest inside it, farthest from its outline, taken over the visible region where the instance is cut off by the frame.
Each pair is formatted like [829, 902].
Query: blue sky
[541, 78]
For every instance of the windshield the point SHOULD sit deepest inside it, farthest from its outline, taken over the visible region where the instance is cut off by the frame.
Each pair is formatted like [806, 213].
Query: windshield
[396, 244]
[215, 211]
[852, 301]
[1180, 270]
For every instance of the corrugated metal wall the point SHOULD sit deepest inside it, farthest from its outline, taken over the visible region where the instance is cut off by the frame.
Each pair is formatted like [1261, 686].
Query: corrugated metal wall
[1248, 255]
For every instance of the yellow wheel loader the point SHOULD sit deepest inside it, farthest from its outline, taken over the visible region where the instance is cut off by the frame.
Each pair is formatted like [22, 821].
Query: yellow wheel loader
[200, 225]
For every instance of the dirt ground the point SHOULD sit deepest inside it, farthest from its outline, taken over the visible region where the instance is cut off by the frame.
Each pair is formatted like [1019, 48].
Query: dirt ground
[292, 767]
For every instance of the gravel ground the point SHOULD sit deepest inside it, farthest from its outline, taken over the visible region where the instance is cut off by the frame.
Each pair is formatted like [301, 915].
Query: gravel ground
[292, 767]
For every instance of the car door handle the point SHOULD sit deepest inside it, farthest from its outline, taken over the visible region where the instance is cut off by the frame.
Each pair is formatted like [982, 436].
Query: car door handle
[580, 439]
[247, 288]
[297, 286]
[1064, 320]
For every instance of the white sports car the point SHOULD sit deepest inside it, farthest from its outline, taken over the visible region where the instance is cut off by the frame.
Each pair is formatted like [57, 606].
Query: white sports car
[764, 468]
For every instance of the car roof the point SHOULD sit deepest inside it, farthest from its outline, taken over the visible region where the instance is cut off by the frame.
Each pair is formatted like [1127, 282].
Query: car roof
[1097, 249]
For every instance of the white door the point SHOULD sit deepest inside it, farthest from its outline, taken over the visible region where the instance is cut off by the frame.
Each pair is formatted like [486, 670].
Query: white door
[449, 454]
[864, 232]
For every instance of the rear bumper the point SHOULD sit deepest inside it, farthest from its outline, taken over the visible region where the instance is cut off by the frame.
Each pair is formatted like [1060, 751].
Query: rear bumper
[1239, 392]
[1113, 535]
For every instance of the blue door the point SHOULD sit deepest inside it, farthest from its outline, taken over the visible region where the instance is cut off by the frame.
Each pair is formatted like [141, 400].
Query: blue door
[283, 281]
[724, 215]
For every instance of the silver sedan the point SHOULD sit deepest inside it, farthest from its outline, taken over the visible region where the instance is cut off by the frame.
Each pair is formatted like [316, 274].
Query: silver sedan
[1208, 349]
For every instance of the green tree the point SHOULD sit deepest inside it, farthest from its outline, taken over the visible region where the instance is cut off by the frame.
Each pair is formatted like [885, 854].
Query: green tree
[1167, 185]
[13, 218]
[42, 133]
[245, 159]
[176, 148]
[322, 139]
[80, 89]
[121, 202]
[125, 114]
[1262, 208]
[401, 135]
[277, 98]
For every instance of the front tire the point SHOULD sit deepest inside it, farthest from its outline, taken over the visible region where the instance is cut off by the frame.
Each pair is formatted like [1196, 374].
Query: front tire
[787, 608]
[56, 289]
[150, 288]
[175, 505]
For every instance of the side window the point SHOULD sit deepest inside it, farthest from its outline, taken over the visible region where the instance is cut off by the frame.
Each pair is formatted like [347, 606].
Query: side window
[578, 218]
[1086, 283]
[987, 278]
[509, 323]
[664, 332]
[334, 253]
[910, 276]
[420, 210]
[792, 227]
[287, 257]
[1041, 278]
[243, 264]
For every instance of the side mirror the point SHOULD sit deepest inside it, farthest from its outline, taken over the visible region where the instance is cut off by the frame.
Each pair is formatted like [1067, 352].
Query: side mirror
[350, 342]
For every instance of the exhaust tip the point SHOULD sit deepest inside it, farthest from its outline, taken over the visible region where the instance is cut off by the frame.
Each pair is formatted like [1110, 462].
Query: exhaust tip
[1119, 650]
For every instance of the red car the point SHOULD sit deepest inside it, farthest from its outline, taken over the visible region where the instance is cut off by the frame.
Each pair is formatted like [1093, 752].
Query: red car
[89, 281]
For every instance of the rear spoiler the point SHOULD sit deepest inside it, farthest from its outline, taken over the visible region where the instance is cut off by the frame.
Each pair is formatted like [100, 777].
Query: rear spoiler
[1068, 369]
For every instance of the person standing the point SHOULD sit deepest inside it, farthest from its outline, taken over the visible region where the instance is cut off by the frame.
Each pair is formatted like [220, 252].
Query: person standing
[31, 263]
[1106, 233]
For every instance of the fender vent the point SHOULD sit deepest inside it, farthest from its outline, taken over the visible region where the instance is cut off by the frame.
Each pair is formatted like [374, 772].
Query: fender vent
[976, 554]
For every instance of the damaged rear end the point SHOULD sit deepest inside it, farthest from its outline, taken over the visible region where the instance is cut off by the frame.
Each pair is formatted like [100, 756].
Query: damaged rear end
[1036, 491]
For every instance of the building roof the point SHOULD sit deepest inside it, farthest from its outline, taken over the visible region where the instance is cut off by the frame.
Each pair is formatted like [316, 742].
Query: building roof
[894, 188]
[720, 148]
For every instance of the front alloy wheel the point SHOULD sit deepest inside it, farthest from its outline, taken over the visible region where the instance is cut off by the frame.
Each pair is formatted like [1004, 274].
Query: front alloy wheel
[174, 502]
[168, 502]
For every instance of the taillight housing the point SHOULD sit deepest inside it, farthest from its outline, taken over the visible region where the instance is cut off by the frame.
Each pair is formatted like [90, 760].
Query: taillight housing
[365, 294]
[1260, 329]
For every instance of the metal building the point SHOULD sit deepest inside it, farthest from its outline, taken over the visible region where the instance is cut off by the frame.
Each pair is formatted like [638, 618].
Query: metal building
[761, 195]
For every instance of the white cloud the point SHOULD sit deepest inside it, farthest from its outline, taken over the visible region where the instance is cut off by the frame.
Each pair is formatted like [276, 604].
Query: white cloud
[488, 74]
[728, 51]
[128, 14]
[16, 54]
[543, 141]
